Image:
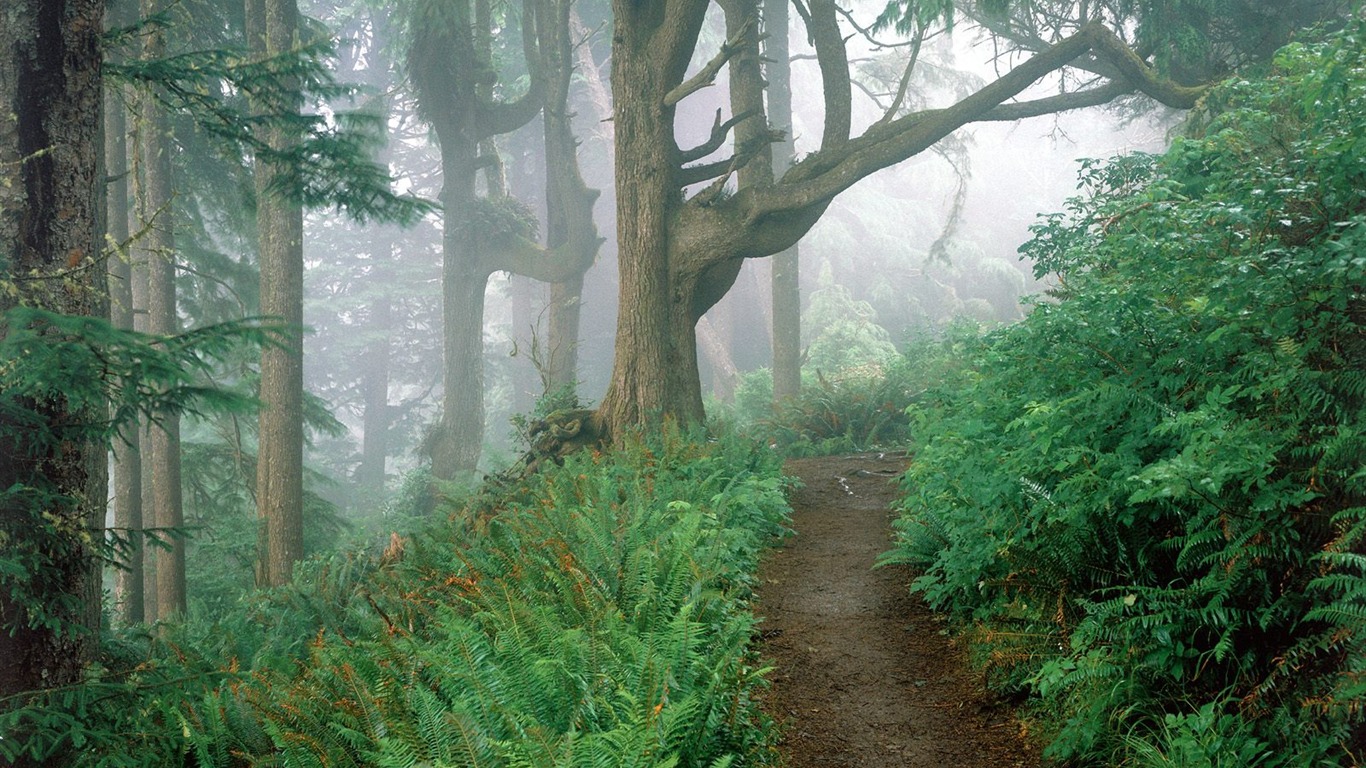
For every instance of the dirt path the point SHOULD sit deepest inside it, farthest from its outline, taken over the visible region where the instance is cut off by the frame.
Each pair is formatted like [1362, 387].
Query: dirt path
[863, 676]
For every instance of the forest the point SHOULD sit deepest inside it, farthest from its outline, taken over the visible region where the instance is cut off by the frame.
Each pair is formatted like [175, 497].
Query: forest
[446, 382]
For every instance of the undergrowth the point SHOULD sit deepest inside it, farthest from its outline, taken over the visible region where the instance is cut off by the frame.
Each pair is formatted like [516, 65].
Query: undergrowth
[596, 614]
[855, 409]
[1147, 502]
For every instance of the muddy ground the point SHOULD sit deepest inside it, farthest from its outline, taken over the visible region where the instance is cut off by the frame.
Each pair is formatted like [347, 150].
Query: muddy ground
[863, 675]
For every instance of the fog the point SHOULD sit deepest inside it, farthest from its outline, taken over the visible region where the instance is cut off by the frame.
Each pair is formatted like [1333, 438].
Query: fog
[902, 254]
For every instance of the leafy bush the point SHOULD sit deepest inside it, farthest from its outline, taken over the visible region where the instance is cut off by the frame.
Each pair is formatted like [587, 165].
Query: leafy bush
[1149, 496]
[596, 615]
[855, 409]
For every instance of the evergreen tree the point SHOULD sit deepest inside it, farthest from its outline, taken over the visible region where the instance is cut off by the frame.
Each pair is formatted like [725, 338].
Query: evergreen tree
[52, 476]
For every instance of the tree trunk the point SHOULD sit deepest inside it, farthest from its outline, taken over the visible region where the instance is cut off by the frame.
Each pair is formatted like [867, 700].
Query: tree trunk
[786, 282]
[370, 475]
[445, 66]
[654, 372]
[51, 169]
[127, 449]
[566, 309]
[273, 26]
[527, 383]
[158, 213]
[460, 435]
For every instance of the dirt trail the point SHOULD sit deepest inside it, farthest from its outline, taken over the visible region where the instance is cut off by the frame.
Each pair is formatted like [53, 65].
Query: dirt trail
[863, 676]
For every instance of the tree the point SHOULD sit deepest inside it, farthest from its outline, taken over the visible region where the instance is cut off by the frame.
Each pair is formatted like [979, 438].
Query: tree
[51, 495]
[786, 283]
[272, 30]
[452, 70]
[127, 454]
[157, 212]
[679, 255]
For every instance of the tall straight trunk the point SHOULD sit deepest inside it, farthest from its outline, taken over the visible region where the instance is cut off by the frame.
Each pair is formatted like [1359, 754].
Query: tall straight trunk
[460, 436]
[128, 594]
[273, 29]
[137, 274]
[137, 277]
[527, 384]
[375, 391]
[566, 310]
[786, 282]
[51, 182]
[158, 211]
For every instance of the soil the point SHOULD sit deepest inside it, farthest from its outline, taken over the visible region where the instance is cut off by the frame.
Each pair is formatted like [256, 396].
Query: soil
[864, 674]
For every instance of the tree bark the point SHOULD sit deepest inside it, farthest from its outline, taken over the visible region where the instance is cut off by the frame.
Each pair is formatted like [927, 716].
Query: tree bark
[127, 449]
[566, 310]
[51, 179]
[273, 30]
[654, 374]
[786, 274]
[158, 249]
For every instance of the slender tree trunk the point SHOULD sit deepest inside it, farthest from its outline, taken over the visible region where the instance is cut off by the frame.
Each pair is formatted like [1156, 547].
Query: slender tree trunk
[786, 282]
[158, 211]
[714, 341]
[273, 26]
[566, 309]
[128, 593]
[51, 181]
[375, 388]
[527, 382]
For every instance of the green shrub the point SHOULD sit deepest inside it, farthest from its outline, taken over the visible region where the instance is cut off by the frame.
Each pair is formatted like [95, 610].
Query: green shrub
[1150, 493]
[596, 615]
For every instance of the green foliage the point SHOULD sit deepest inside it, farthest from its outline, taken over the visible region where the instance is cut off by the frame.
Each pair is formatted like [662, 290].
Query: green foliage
[844, 331]
[594, 615]
[70, 381]
[330, 163]
[858, 409]
[1148, 497]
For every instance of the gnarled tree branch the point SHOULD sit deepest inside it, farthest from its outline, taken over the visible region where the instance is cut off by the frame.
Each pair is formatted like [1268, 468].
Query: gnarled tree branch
[707, 75]
[719, 132]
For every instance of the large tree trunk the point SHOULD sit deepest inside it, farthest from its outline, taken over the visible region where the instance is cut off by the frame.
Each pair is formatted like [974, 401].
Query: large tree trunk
[654, 373]
[460, 436]
[786, 283]
[127, 458]
[50, 182]
[273, 27]
[158, 212]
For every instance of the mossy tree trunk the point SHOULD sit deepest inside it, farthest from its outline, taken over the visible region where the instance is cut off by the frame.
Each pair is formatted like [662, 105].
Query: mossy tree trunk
[127, 451]
[51, 239]
[453, 73]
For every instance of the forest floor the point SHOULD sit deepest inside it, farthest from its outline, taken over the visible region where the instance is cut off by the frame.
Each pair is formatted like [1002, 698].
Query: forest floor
[863, 675]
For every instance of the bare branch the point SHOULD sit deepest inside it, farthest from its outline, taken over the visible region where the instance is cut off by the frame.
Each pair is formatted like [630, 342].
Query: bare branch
[695, 174]
[833, 58]
[719, 131]
[867, 33]
[707, 75]
[829, 171]
[1062, 102]
[905, 83]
